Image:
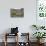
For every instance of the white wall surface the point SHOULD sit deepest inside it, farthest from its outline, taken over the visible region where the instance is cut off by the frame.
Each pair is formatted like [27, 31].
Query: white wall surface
[23, 23]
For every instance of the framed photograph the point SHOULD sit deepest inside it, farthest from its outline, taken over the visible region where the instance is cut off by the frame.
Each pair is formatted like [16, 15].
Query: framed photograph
[17, 12]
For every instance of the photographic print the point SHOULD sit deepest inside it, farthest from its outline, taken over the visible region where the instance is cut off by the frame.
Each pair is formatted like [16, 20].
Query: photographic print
[17, 12]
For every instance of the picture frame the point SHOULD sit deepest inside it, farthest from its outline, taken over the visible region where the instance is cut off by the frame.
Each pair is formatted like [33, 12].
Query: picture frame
[17, 12]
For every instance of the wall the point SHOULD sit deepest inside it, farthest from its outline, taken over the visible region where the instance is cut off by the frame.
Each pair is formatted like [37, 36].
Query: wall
[24, 23]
